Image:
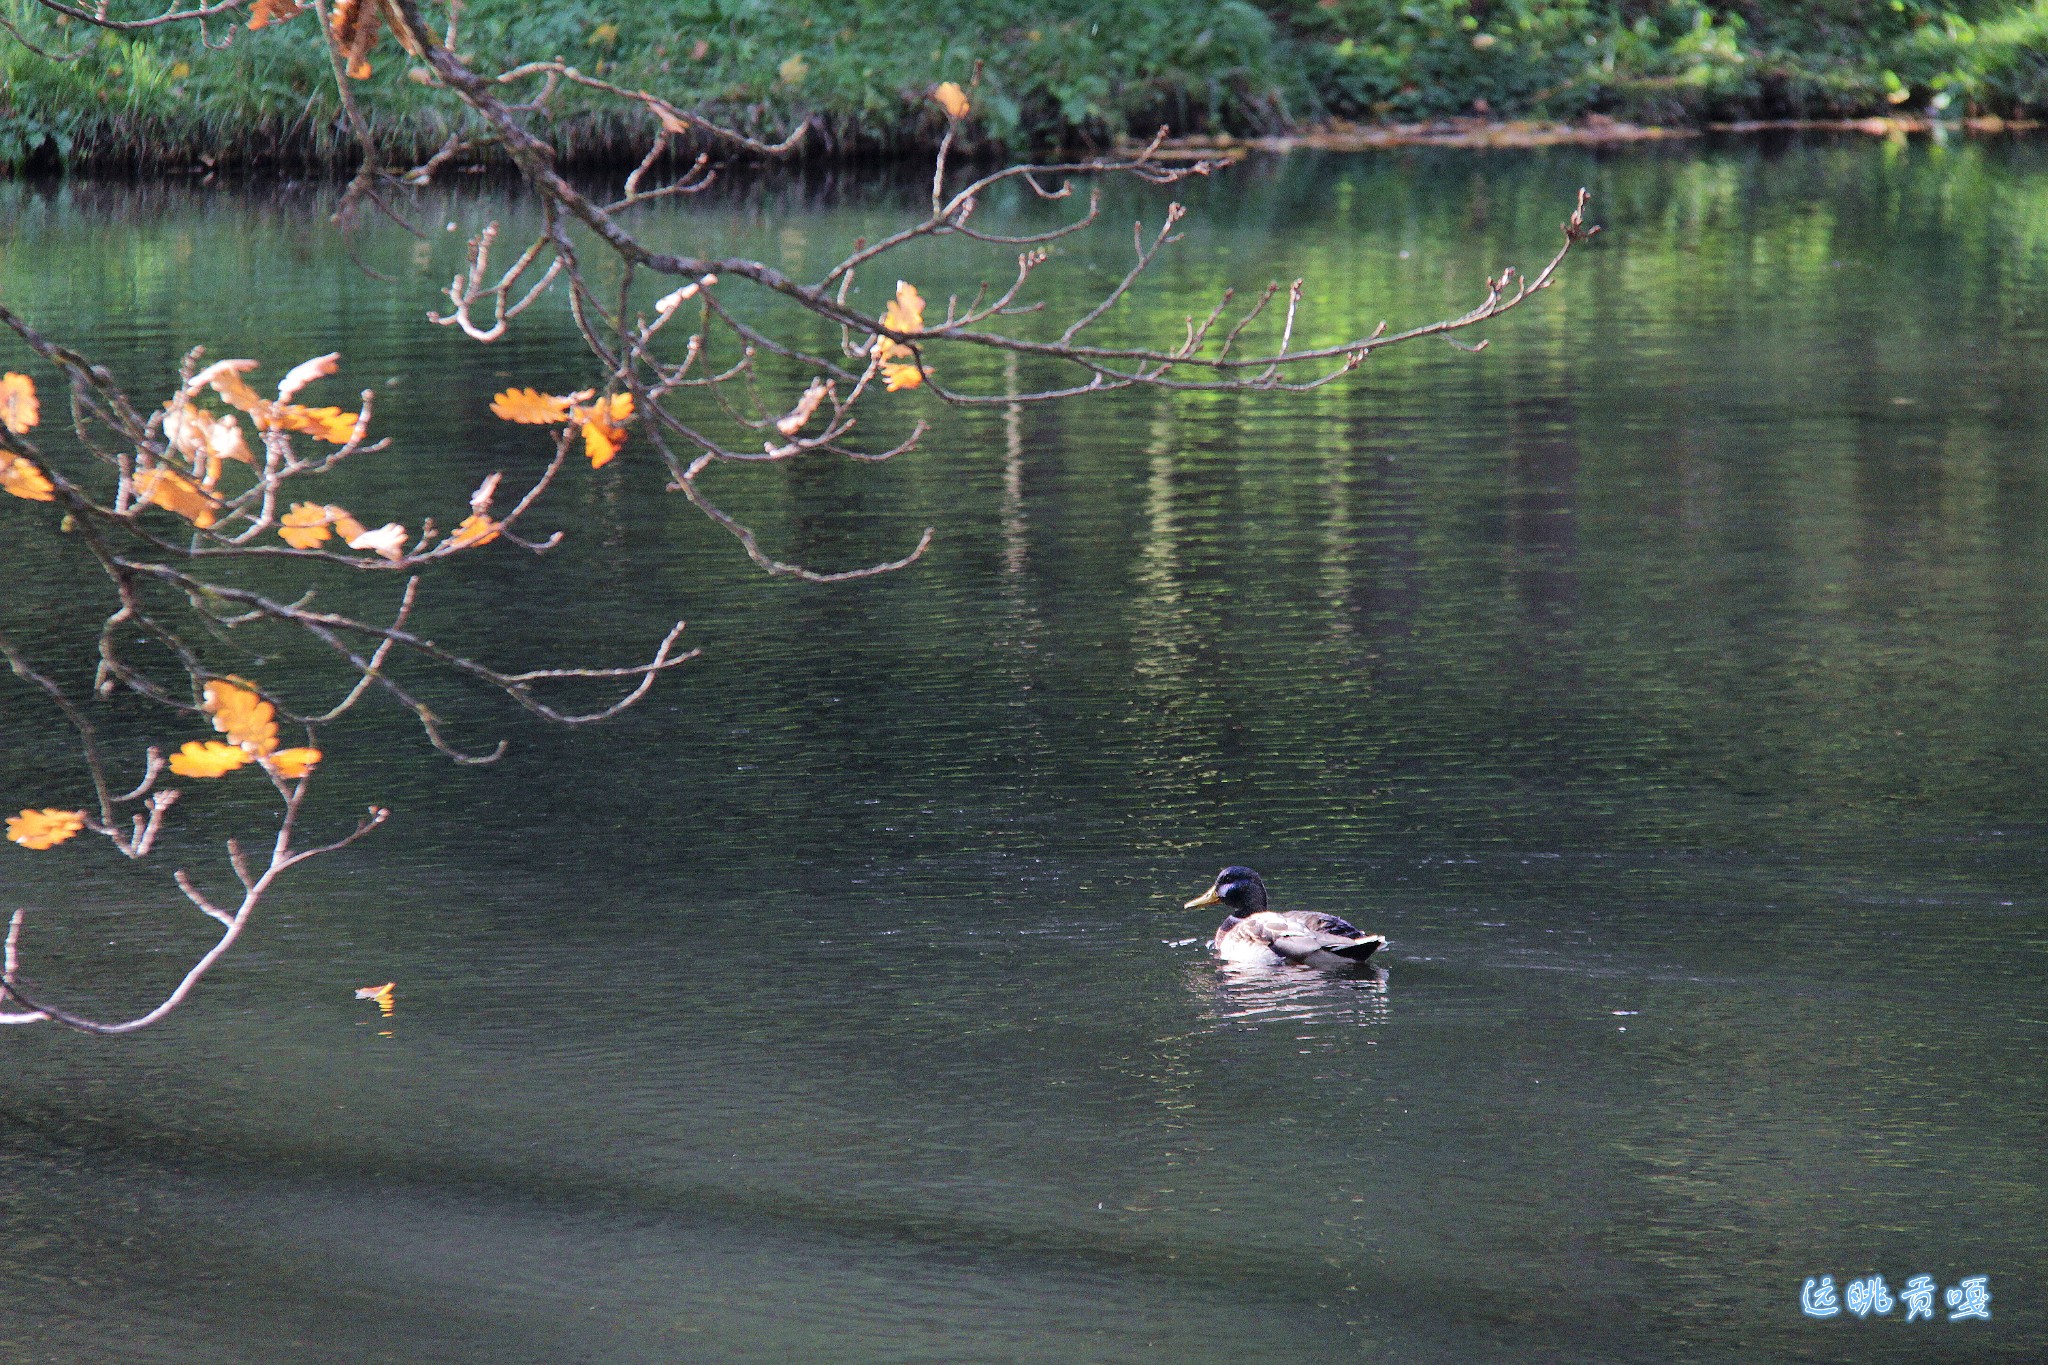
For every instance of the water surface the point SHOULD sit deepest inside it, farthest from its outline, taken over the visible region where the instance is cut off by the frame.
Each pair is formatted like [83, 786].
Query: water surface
[1666, 682]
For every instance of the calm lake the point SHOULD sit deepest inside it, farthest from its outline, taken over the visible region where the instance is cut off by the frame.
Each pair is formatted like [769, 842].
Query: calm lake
[1667, 682]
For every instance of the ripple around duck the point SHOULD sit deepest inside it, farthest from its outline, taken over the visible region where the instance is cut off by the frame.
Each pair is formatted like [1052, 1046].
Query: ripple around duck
[1234, 993]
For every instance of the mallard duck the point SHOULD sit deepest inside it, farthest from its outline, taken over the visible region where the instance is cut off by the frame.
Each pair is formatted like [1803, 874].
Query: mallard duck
[1252, 933]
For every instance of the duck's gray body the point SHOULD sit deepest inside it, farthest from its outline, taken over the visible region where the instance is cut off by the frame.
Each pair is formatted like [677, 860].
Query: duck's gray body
[1294, 936]
[1252, 933]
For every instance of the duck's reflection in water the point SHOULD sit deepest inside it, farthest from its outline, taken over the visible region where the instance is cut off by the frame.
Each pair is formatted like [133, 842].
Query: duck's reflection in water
[1286, 993]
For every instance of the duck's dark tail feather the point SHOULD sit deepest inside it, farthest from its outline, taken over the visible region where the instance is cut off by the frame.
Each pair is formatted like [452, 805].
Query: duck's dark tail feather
[1361, 950]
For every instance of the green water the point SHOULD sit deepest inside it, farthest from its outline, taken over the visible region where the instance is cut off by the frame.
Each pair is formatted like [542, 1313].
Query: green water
[1665, 682]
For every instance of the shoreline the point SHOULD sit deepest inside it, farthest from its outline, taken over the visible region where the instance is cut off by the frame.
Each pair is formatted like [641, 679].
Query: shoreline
[1595, 131]
[173, 163]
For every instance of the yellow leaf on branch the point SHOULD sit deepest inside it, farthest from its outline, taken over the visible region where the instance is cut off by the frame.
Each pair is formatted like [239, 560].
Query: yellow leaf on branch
[44, 828]
[345, 526]
[20, 477]
[273, 11]
[905, 313]
[602, 432]
[305, 526]
[896, 376]
[533, 407]
[355, 24]
[601, 441]
[207, 758]
[203, 439]
[224, 377]
[19, 411]
[293, 764]
[333, 425]
[241, 714]
[953, 99]
[475, 530]
[601, 423]
[172, 491]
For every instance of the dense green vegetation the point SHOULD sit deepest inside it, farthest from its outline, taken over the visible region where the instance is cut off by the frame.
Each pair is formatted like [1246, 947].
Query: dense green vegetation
[1056, 71]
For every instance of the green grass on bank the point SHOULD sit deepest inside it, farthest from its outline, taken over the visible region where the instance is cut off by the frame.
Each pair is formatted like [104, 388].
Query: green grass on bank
[1057, 71]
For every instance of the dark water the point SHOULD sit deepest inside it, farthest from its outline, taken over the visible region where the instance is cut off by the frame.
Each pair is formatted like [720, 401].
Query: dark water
[1666, 683]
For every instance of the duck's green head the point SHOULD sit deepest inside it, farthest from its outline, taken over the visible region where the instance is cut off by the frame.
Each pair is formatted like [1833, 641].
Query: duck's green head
[1237, 887]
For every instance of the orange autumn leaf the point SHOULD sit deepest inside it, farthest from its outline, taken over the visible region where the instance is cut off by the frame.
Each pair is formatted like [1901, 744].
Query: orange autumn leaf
[355, 24]
[905, 313]
[602, 434]
[293, 764]
[953, 99]
[20, 477]
[242, 715]
[533, 407]
[615, 409]
[19, 411]
[204, 440]
[475, 530]
[273, 11]
[895, 376]
[601, 441]
[305, 526]
[224, 377]
[172, 491]
[44, 828]
[207, 758]
[600, 422]
[345, 526]
[333, 425]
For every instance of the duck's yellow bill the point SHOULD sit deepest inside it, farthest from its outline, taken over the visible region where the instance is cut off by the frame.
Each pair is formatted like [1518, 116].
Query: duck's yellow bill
[1208, 897]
